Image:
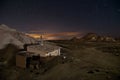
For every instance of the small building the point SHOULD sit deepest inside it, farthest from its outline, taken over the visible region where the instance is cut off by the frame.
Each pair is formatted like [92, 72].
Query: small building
[32, 53]
[26, 59]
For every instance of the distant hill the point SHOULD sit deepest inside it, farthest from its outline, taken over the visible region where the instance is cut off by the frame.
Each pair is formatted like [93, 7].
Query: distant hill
[11, 36]
[96, 37]
[93, 37]
[90, 37]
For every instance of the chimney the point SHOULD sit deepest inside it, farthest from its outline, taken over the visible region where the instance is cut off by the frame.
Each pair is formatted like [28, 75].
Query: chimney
[25, 47]
[41, 40]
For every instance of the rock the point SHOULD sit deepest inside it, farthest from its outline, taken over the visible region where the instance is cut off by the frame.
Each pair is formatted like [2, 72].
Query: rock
[37, 73]
[119, 77]
[31, 71]
[97, 70]
[108, 77]
[116, 54]
[91, 72]
[107, 72]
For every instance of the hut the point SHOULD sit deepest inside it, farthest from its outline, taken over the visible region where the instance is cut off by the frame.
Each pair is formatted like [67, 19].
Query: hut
[32, 53]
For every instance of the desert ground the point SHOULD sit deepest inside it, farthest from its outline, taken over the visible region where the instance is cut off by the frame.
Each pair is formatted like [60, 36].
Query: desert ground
[83, 61]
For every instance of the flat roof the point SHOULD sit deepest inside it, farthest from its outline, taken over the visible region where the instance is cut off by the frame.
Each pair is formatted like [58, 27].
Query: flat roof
[47, 47]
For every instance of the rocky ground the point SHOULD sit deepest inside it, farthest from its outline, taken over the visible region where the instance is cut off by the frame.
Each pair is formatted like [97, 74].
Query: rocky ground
[84, 61]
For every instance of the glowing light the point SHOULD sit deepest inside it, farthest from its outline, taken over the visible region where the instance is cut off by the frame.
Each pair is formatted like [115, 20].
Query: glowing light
[55, 36]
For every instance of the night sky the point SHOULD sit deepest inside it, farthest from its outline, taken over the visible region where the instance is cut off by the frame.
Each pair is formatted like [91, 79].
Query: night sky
[57, 16]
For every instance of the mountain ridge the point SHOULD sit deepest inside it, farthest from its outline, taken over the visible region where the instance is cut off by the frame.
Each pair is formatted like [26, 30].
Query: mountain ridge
[12, 36]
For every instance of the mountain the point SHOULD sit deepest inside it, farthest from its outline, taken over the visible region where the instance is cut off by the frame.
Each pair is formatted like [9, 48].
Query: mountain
[96, 37]
[90, 37]
[11, 36]
[6, 28]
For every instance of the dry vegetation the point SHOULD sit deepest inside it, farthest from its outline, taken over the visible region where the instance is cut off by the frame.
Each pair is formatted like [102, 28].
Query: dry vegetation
[84, 61]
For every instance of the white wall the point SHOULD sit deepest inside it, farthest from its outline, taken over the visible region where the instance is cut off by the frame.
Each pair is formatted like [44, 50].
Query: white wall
[54, 53]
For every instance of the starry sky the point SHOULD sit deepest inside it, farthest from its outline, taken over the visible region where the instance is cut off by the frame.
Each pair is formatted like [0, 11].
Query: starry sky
[61, 16]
